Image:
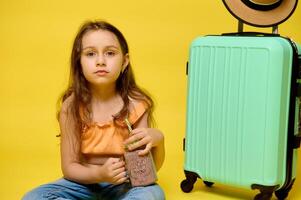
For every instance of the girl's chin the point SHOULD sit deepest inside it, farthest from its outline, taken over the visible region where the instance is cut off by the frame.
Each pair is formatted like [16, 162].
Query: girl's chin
[102, 83]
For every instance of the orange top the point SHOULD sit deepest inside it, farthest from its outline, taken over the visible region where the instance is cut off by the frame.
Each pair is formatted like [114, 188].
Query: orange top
[107, 138]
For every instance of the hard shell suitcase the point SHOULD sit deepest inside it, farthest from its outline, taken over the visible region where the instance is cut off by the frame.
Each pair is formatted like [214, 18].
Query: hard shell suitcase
[242, 125]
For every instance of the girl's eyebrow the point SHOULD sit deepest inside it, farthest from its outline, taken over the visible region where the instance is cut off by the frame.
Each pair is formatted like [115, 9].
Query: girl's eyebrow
[106, 47]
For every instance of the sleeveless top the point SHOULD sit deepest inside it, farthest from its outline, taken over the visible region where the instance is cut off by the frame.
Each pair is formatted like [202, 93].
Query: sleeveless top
[107, 138]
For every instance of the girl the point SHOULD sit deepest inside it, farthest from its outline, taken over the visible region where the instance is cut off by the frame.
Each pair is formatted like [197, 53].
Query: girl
[102, 93]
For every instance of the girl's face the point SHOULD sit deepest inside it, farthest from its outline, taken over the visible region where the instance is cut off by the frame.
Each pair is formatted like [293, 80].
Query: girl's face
[101, 58]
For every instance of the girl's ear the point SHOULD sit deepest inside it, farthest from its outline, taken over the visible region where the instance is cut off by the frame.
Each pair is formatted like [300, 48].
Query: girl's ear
[126, 61]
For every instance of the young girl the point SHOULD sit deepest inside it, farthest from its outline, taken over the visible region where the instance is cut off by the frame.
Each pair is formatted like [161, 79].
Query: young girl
[102, 93]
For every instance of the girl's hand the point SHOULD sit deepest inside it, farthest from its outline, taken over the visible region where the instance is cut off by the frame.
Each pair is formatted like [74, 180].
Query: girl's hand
[147, 137]
[113, 171]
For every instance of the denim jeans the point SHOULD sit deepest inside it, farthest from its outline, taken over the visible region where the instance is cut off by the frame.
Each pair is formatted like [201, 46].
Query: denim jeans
[64, 189]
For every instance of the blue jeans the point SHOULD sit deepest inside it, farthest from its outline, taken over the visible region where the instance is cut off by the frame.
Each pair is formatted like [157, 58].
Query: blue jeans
[64, 189]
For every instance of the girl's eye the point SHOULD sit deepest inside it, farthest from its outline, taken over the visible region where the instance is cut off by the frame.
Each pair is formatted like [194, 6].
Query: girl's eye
[110, 53]
[90, 54]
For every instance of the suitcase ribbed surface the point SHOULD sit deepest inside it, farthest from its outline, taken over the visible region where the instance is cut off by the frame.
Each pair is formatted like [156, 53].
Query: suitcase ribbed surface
[237, 109]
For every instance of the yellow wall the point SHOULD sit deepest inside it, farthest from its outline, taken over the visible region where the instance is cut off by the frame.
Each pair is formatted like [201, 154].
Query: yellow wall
[35, 44]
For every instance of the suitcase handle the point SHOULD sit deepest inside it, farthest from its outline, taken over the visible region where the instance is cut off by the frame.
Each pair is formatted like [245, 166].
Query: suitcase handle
[241, 27]
[242, 33]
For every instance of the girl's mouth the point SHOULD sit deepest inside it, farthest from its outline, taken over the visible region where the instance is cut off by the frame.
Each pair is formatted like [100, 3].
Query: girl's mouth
[101, 72]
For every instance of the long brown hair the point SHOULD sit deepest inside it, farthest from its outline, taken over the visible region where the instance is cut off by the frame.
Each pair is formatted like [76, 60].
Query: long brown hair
[78, 86]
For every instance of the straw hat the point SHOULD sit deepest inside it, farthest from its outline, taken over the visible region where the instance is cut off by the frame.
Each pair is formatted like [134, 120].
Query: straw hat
[261, 13]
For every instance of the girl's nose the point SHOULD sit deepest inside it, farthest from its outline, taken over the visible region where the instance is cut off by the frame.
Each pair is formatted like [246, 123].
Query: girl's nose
[100, 61]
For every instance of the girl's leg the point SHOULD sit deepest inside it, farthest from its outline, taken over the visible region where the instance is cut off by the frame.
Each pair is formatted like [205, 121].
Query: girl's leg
[152, 192]
[61, 189]
[106, 191]
[68, 190]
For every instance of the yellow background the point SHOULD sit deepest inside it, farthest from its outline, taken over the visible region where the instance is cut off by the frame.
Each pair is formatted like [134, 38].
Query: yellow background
[35, 45]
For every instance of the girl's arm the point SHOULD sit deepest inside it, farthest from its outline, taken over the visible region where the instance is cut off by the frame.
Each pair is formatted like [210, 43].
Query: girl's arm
[151, 137]
[112, 171]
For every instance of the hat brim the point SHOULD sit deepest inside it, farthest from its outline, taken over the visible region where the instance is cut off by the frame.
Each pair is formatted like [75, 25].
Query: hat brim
[261, 18]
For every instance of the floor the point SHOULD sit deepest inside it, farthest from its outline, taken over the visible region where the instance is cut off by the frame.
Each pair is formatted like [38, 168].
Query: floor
[21, 173]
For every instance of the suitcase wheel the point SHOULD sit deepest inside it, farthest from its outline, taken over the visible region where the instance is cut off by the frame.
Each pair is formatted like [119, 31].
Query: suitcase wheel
[283, 193]
[186, 186]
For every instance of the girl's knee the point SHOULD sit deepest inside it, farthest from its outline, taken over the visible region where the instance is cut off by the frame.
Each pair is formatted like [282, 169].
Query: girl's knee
[34, 194]
[60, 189]
[156, 192]
[153, 192]
[41, 193]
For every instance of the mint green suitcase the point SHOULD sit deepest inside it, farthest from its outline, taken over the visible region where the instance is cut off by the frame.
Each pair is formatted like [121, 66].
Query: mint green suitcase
[243, 113]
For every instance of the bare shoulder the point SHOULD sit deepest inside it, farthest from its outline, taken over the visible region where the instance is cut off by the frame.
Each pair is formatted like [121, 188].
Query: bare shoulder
[142, 100]
[66, 104]
[66, 118]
